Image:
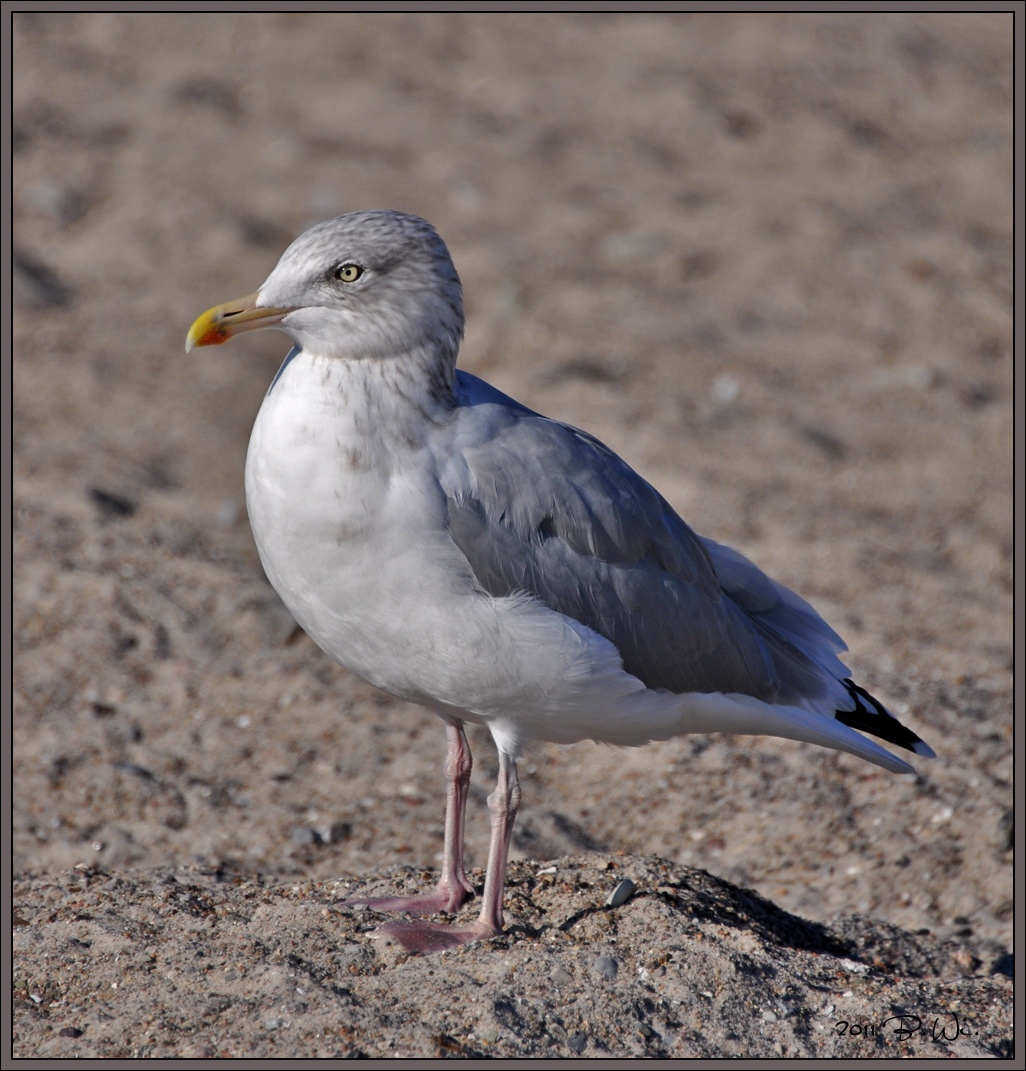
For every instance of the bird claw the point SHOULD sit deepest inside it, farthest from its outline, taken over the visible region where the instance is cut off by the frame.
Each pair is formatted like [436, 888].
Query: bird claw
[426, 937]
[441, 899]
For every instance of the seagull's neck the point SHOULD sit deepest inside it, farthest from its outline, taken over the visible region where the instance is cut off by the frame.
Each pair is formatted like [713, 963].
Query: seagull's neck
[391, 402]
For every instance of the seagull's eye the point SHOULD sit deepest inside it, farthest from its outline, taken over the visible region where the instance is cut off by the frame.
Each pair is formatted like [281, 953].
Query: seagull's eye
[349, 273]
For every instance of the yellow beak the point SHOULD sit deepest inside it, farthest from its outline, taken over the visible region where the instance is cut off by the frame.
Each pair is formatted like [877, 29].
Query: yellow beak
[218, 324]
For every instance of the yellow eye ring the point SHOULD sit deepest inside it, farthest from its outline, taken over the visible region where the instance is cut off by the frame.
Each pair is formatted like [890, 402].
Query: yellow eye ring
[348, 273]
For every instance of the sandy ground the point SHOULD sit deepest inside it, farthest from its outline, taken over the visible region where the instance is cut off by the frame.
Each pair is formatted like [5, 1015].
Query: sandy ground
[766, 259]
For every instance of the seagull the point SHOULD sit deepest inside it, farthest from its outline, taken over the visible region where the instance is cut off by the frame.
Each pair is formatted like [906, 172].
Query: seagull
[460, 551]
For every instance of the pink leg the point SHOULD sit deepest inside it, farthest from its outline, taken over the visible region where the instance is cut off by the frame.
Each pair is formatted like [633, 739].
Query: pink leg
[503, 803]
[422, 936]
[453, 886]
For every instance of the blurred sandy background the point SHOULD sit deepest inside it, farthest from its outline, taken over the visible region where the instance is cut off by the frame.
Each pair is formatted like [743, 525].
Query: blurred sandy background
[766, 259]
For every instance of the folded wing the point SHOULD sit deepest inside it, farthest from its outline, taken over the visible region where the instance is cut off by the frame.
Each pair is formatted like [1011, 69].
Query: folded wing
[541, 508]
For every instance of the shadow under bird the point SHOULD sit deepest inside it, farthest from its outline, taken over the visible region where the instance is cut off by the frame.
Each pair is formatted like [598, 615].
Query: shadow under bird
[458, 550]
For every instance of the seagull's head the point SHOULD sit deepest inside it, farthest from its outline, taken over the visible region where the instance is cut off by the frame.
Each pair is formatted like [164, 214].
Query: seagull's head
[364, 286]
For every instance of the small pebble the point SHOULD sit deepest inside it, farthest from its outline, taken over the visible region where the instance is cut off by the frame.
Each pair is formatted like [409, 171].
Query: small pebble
[561, 977]
[227, 513]
[302, 836]
[577, 1043]
[724, 389]
[621, 894]
[633, 246]
[1006, 831]
[606, 967]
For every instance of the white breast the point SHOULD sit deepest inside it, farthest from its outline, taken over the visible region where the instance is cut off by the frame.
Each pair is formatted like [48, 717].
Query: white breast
[327, 515]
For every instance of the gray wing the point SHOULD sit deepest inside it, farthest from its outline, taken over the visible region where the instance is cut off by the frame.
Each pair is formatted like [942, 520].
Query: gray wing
[541, 508]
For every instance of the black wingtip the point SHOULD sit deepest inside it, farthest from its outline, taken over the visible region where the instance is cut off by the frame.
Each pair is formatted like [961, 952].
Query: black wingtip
[871, 716]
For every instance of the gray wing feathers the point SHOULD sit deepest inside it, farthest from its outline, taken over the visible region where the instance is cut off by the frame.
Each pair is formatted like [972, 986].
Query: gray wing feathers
[541, 508]
[804, 647]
